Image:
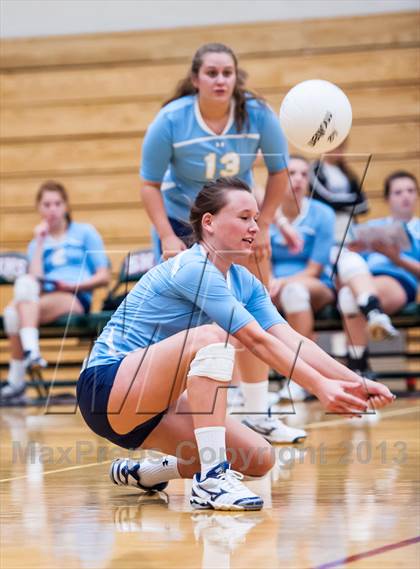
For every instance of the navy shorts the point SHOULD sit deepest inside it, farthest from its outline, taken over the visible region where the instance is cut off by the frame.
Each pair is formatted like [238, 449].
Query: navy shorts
[93, 390]
[85, 300]
[409, 290]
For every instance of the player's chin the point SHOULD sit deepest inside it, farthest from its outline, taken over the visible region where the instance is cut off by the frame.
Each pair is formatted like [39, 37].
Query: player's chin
[222, 96]
[243, 252]
[247, 248]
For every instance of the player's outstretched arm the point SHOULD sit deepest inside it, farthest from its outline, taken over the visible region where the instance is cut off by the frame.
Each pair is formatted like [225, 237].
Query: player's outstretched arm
[335, 396]
[330, 368]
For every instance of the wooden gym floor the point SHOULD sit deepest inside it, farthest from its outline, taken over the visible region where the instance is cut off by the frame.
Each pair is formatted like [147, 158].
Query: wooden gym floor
[347, 496]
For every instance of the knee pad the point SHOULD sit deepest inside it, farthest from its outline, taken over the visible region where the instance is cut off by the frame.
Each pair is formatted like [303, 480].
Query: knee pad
[294, 297]
[346, 302]
[26, 289]
[11, 321]
[215, 361]
[349, 265]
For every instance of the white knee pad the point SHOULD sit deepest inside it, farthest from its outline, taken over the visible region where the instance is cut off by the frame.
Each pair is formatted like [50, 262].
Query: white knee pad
[346, 302]
[11, 321]
[295, 297]
[215, 361]
[351, 264]
[26, 289]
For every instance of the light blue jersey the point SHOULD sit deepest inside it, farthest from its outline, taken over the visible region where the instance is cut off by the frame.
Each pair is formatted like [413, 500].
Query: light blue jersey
[316, 226]
[381, 265]
[183, 153]
[74, 257]
[182, 293]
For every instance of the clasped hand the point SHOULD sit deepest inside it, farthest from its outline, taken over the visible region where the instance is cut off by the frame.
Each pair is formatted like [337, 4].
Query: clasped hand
[354, 398]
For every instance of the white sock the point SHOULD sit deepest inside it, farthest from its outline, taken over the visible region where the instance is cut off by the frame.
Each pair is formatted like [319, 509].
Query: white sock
[256, 398]
[16, 375]
[162, 469]
[211, 442]
[362, 298]
[29, 338]
[356, 352]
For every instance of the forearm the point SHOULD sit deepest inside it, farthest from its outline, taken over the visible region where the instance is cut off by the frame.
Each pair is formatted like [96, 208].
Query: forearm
[100, 278]
[279, 357]
[153, 203]
[312, 354]
[273, 198]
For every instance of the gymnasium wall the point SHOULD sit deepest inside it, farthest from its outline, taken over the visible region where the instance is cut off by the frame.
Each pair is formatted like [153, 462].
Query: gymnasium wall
[75, 108]
[31, 18]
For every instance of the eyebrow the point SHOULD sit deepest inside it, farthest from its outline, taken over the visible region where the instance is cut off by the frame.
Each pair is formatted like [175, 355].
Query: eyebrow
[249, 211]
[212, 66]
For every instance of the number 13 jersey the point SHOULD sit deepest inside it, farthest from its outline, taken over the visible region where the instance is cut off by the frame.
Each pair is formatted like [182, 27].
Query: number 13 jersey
[181, 152]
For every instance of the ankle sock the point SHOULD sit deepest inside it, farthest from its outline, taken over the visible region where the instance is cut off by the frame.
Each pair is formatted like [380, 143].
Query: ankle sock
[16, 374]
[211, 442]
[256, 399]
[30, 340]
[155, 470]
[368, 304]
[357, 359]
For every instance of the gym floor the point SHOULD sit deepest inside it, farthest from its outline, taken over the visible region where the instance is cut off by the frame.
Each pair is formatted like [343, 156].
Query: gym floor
[347, 496]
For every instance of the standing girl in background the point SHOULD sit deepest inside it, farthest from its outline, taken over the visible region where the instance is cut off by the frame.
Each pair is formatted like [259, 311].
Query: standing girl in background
[211, 127]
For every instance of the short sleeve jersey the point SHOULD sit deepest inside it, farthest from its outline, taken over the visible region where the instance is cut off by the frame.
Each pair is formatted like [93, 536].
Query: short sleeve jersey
[316, 226]
[73, 258]
[381, 265]
[182, 153]
[182, 293]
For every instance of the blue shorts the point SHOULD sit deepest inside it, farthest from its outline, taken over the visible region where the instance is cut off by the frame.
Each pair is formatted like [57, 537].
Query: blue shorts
[93, 391]
[85, 300]
[409, 289]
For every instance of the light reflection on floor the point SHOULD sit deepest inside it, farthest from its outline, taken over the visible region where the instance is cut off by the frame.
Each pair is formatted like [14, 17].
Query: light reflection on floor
[350, 488]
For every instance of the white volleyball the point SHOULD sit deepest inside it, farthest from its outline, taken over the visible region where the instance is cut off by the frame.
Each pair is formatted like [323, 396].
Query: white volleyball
[316, 116]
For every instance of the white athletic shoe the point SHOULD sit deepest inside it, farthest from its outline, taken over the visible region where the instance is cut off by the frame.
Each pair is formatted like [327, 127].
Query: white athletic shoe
[274, 430]
[293, 392]
[9, 392]
[273, 398]
[222, 489]
[34, 362]
[235, 397]
[380, 326]
[126, 472]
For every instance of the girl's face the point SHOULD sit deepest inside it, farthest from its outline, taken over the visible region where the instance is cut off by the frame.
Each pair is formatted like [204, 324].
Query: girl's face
[232, 230]
[52, 208]
[216, 77]
[402, 197]
[298, 179]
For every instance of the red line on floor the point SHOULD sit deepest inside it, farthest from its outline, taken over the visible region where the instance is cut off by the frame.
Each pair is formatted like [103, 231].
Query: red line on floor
[369, 553]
